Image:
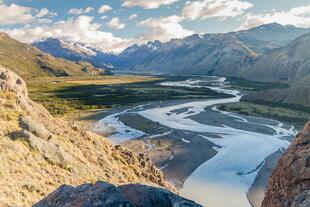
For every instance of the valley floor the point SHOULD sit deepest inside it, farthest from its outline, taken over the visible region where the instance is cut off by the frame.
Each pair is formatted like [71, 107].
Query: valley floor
[183, 138]
[121, 100]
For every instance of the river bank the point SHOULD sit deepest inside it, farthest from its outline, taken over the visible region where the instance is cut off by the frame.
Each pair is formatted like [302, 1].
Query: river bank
[241, 143]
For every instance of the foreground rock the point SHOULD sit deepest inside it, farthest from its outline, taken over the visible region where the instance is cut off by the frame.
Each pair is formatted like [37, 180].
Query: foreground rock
[289, 185]
[105, 195]
[38, 152]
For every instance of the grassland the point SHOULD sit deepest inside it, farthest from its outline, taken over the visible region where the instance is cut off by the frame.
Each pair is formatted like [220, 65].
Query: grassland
[294, 117]
[49, 91]
[254, 86]
[67, 95]
[291, 114]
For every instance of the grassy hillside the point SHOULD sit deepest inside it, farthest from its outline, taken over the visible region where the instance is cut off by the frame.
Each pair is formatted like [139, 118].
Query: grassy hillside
[39, 152]
[30, 62]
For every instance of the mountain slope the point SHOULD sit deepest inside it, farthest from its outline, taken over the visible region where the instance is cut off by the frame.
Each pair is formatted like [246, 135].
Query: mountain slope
[41, 152]
[289, 184]
[209, 54]
[274, 33]
[215, 54]
[135, 53]
[29, 62]
[218, 54]
[75, 52]
[290, 63]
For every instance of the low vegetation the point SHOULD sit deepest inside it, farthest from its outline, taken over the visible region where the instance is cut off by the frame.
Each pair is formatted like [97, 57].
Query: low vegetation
[248, 85]
[297, 118]
[66, 95]
[52, 92]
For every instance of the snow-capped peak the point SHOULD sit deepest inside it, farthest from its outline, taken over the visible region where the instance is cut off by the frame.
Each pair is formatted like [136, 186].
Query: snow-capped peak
[80, 48]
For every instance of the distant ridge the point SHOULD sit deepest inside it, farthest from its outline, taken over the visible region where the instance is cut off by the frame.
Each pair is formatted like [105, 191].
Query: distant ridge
[30, 62]
[211, 54]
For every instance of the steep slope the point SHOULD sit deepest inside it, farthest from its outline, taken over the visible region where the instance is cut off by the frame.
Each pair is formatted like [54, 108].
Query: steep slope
[107, 195]
[29, 62]
[41, 152]
[290, 63]
[289, 184]
[135, 53]
[208, 54]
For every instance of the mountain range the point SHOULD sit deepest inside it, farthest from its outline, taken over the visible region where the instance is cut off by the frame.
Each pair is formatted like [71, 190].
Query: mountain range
[207, 54]
[31, 62]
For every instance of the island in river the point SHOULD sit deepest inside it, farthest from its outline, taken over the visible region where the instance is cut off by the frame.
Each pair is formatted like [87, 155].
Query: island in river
[212, 156]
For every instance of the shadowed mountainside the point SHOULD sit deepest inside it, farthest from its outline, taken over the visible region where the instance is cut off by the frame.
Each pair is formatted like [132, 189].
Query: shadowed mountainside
[290, 64]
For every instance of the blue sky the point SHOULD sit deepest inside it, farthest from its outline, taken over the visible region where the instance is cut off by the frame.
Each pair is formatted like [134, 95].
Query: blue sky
[112, 29]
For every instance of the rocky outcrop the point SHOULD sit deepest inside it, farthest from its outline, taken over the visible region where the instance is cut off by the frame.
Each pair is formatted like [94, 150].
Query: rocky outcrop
[38, 152]
[106, 195]
[289, 185]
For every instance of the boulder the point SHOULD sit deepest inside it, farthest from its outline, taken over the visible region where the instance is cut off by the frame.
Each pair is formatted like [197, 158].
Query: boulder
[26, 123]
[102, 194]
[147, 196]
[9, 81]
[50, 151]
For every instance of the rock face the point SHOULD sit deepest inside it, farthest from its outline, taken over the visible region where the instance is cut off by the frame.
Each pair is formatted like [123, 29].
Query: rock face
[106, 195]
[289, 185]
[41, 152]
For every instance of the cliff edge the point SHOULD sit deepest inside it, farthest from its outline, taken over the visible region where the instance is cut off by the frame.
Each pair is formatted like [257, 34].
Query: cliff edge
[289, 184]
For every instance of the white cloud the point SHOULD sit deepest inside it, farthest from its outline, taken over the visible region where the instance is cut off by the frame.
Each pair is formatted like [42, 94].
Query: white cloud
[104, 9]
[103, 17]
[89, 9]
[298, 16]
[164, 28]
[80, 11]
[203, 9]
[45, 13]
[76, 11]
[147, 4]
[133, 16]
[116, 23]
[15, 14]
[81, 29]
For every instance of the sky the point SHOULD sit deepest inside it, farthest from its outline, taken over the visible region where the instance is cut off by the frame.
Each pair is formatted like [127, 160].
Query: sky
[116, 24]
